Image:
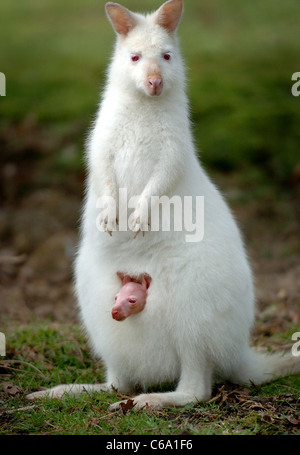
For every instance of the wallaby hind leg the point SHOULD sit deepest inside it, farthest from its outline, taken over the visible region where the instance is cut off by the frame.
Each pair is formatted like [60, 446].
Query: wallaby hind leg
[195, 385]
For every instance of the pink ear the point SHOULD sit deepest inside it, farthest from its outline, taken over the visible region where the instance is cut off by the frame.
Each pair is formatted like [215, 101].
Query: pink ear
[124, 278]
[169, 14]
[120, 17]
[146, 281]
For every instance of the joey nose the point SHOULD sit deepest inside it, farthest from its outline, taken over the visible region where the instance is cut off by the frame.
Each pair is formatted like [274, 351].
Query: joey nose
[114, 314]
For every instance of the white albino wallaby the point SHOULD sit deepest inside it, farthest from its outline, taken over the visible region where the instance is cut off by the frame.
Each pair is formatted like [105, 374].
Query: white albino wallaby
[195, 326]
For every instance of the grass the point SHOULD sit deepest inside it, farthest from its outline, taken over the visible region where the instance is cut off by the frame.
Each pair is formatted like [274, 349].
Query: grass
[45, 355]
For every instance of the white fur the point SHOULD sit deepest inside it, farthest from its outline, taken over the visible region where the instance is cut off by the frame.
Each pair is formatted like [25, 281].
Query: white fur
[200, 305]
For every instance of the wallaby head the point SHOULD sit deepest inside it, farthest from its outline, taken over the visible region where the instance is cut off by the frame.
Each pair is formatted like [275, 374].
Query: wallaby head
[146, 56]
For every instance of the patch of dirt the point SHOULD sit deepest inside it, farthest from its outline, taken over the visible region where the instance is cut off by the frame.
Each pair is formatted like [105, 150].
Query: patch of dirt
[39, 214]
[271, 231]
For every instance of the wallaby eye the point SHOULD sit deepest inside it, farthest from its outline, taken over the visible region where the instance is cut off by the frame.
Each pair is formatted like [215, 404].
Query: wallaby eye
[135, 58]
[167, 56]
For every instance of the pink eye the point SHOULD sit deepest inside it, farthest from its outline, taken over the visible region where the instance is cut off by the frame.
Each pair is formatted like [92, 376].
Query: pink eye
[132, 300]
[135, 58]
[167, 56]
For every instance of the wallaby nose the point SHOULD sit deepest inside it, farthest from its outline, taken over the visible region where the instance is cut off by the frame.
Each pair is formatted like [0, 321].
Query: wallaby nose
[155, 84]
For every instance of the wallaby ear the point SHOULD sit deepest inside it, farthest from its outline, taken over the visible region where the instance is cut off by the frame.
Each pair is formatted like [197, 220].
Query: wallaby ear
[169, 14]
[120, 17]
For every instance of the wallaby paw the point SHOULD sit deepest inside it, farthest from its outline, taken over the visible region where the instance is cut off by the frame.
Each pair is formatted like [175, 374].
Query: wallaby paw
[111, 226]
[108, 225]
[138, 224]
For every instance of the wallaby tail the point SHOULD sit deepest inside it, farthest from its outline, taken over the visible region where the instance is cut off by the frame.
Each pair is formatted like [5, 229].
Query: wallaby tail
[257, 367]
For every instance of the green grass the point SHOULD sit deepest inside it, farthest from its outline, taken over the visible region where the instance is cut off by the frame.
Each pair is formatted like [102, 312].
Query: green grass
[49, 354]
[240, 57]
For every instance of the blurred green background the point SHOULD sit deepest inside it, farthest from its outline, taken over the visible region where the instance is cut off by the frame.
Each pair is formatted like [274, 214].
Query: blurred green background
[240, 57]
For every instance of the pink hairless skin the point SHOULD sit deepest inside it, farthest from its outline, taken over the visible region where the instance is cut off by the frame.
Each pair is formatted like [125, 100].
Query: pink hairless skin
[132, 297]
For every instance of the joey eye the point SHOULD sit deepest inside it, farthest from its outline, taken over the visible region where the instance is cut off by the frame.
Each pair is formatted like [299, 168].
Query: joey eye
[135, 58]
[167, 56]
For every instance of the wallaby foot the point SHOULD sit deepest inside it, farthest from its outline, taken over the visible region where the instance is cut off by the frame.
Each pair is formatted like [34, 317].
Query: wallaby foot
[160, 400]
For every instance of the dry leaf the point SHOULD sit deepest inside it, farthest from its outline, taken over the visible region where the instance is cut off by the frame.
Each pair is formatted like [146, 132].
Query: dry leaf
[292, 420]
[127, 406]
[11, 389]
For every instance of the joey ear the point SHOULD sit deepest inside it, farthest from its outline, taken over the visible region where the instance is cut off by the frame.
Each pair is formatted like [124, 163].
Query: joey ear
[146, 281]
[120, 17]
[169, 14]
[124, 278]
